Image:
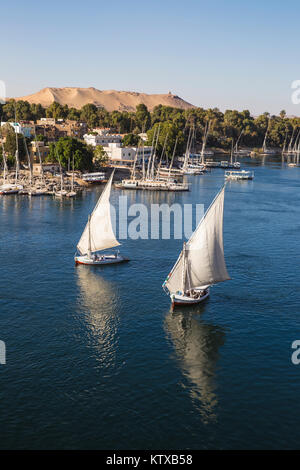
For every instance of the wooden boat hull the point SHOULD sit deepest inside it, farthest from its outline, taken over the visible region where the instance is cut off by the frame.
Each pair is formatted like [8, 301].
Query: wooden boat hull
[105, 259]
[185, 300]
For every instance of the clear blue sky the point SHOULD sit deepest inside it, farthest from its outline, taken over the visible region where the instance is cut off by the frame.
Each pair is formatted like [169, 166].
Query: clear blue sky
[227, 54]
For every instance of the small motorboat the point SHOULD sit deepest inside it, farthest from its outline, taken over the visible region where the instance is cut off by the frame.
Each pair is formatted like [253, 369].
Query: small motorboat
[239, 175]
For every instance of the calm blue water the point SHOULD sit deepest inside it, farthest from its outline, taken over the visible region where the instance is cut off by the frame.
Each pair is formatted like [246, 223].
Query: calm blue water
[95, 358]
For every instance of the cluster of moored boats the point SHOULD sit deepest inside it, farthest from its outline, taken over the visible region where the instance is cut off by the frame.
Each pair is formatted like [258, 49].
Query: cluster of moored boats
[155, 176]
[25, 183]
[38, 186]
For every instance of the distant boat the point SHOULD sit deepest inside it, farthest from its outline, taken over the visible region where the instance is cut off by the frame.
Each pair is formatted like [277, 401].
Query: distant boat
[201, 262]
[239, 175]
[98, 234]
[9, 188]
[210, 163]
[95, 178]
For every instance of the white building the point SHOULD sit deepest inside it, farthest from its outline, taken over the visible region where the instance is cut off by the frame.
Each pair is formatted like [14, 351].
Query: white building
[117, 152]
[102, 137]
[21, 128]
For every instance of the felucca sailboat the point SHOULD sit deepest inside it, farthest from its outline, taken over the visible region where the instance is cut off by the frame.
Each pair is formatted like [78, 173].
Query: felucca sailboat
[98, 234]
[201, 262]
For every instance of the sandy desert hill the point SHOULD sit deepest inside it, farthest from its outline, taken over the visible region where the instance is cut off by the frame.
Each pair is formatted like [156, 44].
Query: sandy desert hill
[109, 99]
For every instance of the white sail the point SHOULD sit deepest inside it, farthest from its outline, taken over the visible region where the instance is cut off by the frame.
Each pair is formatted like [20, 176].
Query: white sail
[98, 233]
[202, 262]
[174, 281]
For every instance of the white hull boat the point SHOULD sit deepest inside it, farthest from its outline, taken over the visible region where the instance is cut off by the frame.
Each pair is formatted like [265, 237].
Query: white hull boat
[97, 260]
[292, 165]
[191, 170]
[98, 234]
[239, 175]
[61, 193]
[201, 262]
[7, 189]
[190, 298]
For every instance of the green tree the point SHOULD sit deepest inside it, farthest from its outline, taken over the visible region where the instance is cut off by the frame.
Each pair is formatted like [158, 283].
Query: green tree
[130, 140]
[37, 111]
[10, 146]
[56, 111]
[73, 114]
[89, 114]
[168, 133]
[64, 150]
[142, 117]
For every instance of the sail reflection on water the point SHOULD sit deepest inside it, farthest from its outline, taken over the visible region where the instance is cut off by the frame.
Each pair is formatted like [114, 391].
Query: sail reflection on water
[197, 347]
[98, 305]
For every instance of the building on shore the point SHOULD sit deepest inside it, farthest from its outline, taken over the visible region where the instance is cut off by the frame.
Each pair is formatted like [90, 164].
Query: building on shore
[47, 168]
[23, 127]
[38, 149]
[53, 129]
[115, 151]
[102, 137]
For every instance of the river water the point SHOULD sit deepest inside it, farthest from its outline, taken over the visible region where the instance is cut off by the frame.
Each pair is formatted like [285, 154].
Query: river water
[95, 359]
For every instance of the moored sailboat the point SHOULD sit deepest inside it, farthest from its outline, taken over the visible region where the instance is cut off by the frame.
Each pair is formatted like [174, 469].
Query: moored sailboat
[98, 234]
[201, 262]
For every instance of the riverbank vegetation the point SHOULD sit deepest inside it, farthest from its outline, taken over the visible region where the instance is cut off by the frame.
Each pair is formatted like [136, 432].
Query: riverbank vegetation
[173, 124]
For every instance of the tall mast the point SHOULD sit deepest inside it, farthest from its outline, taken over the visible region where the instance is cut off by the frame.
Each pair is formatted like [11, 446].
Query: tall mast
[161, 155]
[40, 158]
[89, 246]
[265, 139]
[60, 168]
[231, 155]
[72, 184]
[5, 169]
[296, 142]
[183, 267]
[17, 149]
[237, 142]
[143, 161]
[171, 164]
[154, 154]
[29, 160]
[187, 150]
[205, 135]
[134, 162]
[149, 161]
